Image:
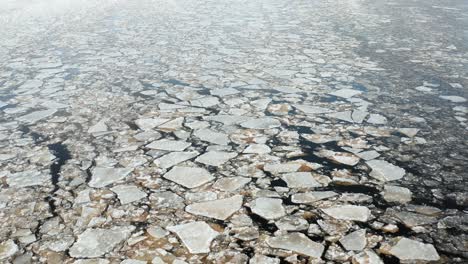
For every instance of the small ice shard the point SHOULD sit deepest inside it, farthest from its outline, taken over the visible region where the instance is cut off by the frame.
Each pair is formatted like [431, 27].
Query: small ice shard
[169, 145]
[368, 155]
[93, 243]
[174, 158]
[348, 212]
[292, 223]
[261, 123]
[345, 93]
[355, 241]
[262, 259]
[3, 104]
[219, 209]
[309, 109]
[358, 116]
[211, 136]
[385, 171]
[276, 168]
[167, 199]
[8, 248]
[340, 157]
[311, 197]
[128, 193]
[396, 194]
[99, 127]
[150, 123]
[133, 261]
[423, 89]
[215, 158]
[344, 116]
[102, 177]
[409, 132]
[268, 208]
[189, 177]
[173, 125]
[367, 257]
[207, 101]
[319, 138]
[257, 149]
[196, 236]
[227, 119]
[230, 184]
[28, 178]
[377, 119]
[300, 180]
[453, 98]
[33, 117]
[30, 85]
[411, 250]
[224, 92]
[279, 109]
[298, 243]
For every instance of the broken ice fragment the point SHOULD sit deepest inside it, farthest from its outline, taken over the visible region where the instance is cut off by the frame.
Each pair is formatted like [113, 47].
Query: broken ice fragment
[297, 242]
[230, 184]
[261, 123]
[367, 257]
[128, 193]
[268, 208]
[300, 180]
[212, 136]
[355, 240]
[385, 171]
[224, 92]
[219, 209]
[396, 194]
[94, 243]
[358, 116]
[189, 177]
[411, 250]
[133, 261]
[423, 89]
[319, 138]
[3, 104]
[309, 109]
[276, 168]
[348, 212]
[28, 178]
[33, 117]
[292, 223]
[453, 98]
[174, 158]
[167, 199]
[196, 236]
[368, 155]
[99, 127]
[173, 125]
[344, 116]
[377, 119]
[262, 259]
[311, 197]
[150, 123]
[409, 132]
[8, 248]
[215, 158]
[169, 145]
[339, 157]
[345, 93]
[102, 177]
[257, 149]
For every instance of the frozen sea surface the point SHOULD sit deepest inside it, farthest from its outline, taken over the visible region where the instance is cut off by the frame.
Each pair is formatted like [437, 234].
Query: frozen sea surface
[233, 131]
